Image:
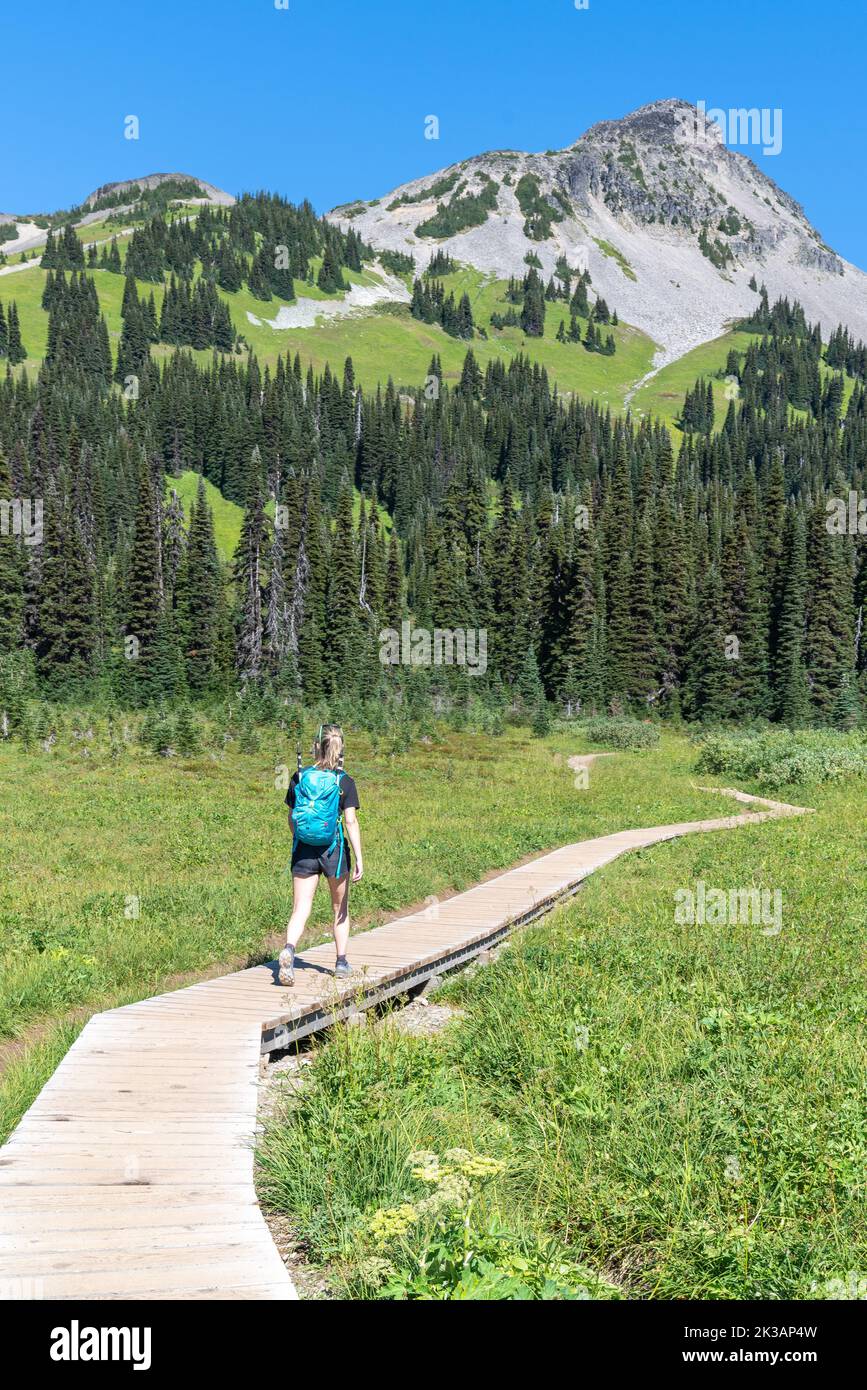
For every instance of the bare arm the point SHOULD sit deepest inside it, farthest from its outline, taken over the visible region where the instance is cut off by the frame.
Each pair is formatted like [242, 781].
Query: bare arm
[353, 830]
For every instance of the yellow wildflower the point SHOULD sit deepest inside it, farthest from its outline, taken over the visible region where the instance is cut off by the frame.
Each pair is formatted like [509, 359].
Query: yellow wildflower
[390, 1223]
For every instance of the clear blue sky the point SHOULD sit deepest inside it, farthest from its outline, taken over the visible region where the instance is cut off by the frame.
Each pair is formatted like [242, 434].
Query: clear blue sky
[327, 100]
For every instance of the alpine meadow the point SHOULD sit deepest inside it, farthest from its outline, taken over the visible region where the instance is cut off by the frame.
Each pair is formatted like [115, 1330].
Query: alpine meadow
[487, 535]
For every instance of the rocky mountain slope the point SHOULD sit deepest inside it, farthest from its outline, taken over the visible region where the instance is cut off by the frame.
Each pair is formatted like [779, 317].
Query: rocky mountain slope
[671, 224]
[210, 193]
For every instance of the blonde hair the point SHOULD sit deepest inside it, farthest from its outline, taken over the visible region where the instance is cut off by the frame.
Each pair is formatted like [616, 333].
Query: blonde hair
[328, 747]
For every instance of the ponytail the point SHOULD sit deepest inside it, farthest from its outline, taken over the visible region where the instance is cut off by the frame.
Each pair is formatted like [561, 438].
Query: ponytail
[328, 747]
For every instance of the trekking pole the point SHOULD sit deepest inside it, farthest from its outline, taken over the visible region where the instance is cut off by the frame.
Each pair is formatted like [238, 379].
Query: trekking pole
[298, 755]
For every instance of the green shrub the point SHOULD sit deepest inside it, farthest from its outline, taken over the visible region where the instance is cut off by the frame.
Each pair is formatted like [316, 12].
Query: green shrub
[621, 733]
[541, 722]
[248, 741]
[186, 733]
[17, 685]
[161, 737]
[471, 210]
[778, 757]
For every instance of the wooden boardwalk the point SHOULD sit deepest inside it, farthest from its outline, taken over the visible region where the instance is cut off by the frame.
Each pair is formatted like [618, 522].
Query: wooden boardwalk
[131, 1175]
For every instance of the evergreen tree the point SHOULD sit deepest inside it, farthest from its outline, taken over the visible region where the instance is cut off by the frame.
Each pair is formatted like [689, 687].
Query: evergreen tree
[642, 661]
[199, 599]
[249, 574]
[347, 636]
[11, 571]
[829, 648]
[330, 277]
[747, 689]
[15, 350]
[529, 685]
[482, 477]
[65, 627]
[393, 608]
[186, 734]
[616, 523]
[709, 690]
[533, 311]
[145, 673]
[673, 581]
[583, 669]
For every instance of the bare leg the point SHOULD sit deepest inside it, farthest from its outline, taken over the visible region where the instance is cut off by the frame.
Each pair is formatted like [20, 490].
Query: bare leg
[303, 893]
[340, 902]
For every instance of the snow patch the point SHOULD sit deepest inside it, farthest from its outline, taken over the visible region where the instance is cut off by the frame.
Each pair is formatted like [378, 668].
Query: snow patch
[306, 312]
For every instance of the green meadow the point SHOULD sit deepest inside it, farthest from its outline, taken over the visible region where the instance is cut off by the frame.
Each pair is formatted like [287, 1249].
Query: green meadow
[645, 1109]
[657, 1110]
[202, 844]
[387, 342]
[26, 288]
[227, 515]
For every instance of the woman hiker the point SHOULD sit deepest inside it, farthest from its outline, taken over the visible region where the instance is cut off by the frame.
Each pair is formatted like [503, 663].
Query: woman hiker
[323, 802]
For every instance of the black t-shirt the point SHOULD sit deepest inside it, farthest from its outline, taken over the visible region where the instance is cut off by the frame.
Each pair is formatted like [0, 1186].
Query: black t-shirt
[348, 793]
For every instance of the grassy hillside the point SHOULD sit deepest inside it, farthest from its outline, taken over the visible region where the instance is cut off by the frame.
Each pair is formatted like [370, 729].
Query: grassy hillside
[227, 515]
[664, 394]
[26, 288]
[383, 341]
[386, 341]
[662, 397]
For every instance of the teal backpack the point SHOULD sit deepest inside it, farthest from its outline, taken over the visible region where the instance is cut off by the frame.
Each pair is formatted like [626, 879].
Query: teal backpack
[316, 814]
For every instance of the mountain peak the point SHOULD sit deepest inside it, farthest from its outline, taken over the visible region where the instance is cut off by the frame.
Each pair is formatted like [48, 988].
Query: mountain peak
[209, 192]
[657, 120]
[673, 225]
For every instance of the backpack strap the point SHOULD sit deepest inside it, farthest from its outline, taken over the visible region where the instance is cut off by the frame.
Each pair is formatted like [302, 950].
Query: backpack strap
[338, 833]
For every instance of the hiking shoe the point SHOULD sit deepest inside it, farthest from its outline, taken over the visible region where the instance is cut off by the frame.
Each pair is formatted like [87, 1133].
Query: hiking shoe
[342, 968]
[286, 964]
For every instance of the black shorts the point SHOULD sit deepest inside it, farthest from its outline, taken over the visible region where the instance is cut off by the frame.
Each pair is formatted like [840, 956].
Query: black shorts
[308, 860]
